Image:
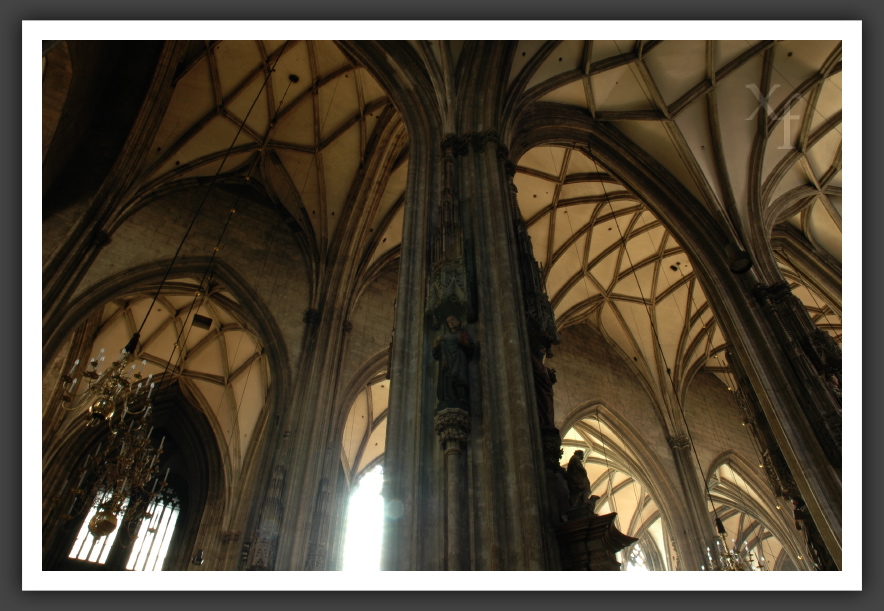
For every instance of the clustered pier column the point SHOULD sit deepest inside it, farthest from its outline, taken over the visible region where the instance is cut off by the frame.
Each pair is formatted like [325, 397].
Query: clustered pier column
[453, 427]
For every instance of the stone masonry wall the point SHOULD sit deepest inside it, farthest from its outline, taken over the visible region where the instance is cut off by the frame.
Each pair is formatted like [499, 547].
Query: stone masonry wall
[256, 245]
[590, 370]
[372, 320]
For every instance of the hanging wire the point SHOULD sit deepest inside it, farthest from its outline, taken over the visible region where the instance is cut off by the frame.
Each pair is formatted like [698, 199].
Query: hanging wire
[204, 281]
[611, 500]
[133, 342]
[660, 349]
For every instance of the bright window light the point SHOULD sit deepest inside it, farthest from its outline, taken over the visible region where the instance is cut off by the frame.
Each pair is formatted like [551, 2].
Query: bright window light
[365, 523]
[149, 547]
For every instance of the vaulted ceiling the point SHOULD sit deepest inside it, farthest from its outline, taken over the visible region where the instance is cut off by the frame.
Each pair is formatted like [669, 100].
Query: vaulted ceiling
[220, 365]
[297, 116]
[752, 129]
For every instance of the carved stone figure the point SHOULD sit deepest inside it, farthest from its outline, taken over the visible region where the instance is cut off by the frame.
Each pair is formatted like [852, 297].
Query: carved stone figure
[544, 378]
[453, 349]
[578, 481]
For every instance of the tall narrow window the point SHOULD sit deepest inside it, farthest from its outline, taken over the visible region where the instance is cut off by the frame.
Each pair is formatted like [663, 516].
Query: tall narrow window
[365, 522]
[149, 545]
[89, 547]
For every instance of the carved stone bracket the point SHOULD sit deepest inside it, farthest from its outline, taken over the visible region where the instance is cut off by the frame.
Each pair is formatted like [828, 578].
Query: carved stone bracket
[312, 316]
[453, 428]
[460, 146]
[591, 543]
[679, 442]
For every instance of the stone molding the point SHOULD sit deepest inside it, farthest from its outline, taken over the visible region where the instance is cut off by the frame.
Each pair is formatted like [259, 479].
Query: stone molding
[679, 442]
[460, 146]
[312, 316]
[452, 425]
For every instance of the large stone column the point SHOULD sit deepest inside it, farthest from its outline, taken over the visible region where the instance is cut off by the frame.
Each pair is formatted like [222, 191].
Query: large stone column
[505, 504]
[696, 514]
[816, 360]
[505, 512]
[778, 473]
[453, 427]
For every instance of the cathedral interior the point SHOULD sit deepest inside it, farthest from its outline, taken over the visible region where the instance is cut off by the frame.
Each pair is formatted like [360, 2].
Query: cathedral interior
[279, 266]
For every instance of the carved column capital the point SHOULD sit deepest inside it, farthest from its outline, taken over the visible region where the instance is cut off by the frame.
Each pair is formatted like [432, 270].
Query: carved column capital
[480, 140]
[453, 427]
[312, 316]
[679, 442]
[774, 293]
[454, 146]
[100, 238]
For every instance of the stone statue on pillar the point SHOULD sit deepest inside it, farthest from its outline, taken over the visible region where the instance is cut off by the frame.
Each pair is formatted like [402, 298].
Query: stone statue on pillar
[544, 378]
[453, 349]
[578, 481]
[588, 541]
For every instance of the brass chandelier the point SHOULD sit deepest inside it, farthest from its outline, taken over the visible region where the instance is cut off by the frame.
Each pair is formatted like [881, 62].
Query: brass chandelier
[121, 476]
[730, 559]
[115, 478]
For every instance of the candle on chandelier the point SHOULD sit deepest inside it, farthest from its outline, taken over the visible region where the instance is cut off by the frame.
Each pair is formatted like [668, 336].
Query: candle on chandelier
[73, 368]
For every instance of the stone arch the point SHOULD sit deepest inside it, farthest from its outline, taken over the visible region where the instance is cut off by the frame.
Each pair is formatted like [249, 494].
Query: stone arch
[250, 309]
[197, 475]
[148, 276]
[703, 236]
[372, 372]
[747, 501]
[646, 467]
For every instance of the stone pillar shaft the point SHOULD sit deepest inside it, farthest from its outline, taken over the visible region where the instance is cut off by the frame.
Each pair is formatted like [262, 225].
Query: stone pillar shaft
[695, 508]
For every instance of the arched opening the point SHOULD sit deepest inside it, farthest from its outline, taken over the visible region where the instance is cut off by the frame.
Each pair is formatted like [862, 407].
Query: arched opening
[212, 381]
[163, 537]
[364, 442]
[365, 519]
[754, 532]
[614, 474]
